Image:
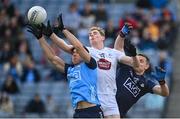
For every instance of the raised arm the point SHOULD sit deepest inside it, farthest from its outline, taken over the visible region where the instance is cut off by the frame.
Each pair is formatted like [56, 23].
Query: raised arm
[74, 41]
[58, 41]
[50, 54]
[119, 42]
[161, 89]
[61, 43]
[77, 45]
[131, 60]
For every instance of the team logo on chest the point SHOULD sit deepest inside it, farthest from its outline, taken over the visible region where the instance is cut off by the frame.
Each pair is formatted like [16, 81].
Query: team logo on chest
[74, 74]
[103, 63]
[102, 55]
[132, 87]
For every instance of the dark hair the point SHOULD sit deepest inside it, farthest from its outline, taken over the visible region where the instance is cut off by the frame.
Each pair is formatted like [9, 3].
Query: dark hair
[147, 71]
[83, 46]
[145, 56]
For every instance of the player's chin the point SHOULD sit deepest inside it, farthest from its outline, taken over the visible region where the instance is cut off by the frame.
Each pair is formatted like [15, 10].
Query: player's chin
[92, 39]
[75, 61]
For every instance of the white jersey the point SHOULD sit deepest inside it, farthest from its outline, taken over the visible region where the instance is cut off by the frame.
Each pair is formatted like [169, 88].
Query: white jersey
[107, 59]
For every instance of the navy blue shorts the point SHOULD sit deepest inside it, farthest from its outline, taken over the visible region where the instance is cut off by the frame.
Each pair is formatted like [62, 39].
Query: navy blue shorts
[91, 112]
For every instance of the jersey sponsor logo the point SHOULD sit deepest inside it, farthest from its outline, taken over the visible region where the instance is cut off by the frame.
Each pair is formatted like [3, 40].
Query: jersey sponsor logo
[132, 87]
[104, 64]
[74, 76]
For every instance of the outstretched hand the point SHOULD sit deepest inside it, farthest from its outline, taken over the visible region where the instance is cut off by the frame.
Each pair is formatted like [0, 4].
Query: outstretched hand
[47, 30]
[159, 74]
[60, 23]
[130, 48]
[36, 30]
[126, 29]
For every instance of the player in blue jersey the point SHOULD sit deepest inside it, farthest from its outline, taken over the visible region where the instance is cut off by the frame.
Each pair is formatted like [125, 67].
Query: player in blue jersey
[131, 82]
[81, 75]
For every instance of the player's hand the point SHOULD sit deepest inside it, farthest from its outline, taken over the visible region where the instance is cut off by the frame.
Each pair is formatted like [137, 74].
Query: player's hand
[47, 30]
[60, 23]
[126, 29]
[130, 48]
[35, 30]
[159, 74]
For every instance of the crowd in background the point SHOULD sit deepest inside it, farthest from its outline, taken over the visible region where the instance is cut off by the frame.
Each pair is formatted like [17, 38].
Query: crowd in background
[154, 33]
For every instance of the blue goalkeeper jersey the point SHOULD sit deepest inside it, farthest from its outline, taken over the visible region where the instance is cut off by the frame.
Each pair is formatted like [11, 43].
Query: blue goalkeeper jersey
[82, 79]
[130, 87]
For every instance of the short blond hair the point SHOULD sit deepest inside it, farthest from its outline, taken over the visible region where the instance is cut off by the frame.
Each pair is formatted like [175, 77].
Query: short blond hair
[99, 29]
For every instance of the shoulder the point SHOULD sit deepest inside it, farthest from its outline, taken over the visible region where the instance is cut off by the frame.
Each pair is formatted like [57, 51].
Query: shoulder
[115, 53]
[112, 50]
[124, 66]
[92, 64]
[118, 52]
[150, 82]
[89, 48]
[67, 66]
[123, 69]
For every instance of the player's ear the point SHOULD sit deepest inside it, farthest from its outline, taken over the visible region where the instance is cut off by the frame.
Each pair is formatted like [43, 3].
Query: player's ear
[103, 38]
[147, 66]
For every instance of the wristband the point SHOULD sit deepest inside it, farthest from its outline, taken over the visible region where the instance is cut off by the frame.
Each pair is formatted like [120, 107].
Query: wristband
[121, 34]
[162, 82]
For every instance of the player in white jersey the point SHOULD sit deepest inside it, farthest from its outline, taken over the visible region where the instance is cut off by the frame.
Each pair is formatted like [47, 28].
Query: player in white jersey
[107, 60]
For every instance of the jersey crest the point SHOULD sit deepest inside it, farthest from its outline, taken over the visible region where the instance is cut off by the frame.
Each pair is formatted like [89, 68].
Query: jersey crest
[74, 75]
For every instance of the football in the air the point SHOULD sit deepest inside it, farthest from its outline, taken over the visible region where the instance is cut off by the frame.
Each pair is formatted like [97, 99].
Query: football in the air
[37, 15]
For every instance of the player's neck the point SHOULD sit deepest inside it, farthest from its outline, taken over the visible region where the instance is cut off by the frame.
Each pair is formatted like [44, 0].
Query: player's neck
[98, 46]
[139, 73]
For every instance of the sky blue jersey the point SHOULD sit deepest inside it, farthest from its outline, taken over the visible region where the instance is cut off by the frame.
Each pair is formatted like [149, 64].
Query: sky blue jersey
[82, 79]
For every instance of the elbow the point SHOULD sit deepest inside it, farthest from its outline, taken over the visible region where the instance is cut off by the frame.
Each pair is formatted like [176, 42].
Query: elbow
[54, 61]
[165, 94]
[51, 58]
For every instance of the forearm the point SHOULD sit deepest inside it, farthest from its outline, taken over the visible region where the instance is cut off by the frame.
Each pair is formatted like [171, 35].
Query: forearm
[77, 45]
[50, 54]
[135, 62]
[119, 43]
[60, 43]
[127, 60]
[164, 90]
[73, 40]
[46, 48]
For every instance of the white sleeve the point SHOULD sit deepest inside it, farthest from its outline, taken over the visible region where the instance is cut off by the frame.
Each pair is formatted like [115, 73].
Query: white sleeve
[90, 50]
[119, 54]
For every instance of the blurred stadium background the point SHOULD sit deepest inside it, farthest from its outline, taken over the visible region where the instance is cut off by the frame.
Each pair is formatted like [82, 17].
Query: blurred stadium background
[31, 87]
